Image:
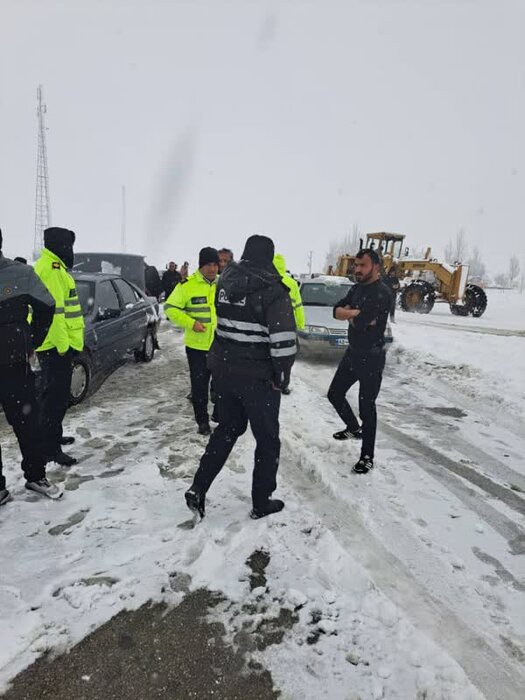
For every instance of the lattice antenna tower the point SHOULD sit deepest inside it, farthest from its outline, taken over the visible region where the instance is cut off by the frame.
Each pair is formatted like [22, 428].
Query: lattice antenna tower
[42, 205]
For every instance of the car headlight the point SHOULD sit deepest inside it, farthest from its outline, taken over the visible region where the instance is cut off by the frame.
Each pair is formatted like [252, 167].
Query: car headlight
[317, 330]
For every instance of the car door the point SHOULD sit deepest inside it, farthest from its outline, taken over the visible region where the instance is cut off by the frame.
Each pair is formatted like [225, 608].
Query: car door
[134, 315]
[108, 330]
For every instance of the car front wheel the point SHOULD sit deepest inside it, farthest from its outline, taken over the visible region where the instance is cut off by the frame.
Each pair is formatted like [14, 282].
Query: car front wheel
[80, 379]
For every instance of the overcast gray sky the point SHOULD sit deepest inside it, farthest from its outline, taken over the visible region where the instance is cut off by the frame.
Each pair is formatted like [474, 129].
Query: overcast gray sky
[294, 119]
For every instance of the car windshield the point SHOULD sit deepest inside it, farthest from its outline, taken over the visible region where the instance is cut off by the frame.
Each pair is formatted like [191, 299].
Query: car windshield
[320, 294]
[86, 296]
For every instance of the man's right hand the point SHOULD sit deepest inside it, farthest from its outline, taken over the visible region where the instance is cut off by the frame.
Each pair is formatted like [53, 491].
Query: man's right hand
[199, 327]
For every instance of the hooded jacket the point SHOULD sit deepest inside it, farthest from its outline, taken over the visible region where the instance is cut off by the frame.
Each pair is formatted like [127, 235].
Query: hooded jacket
[67, 329]
[293, 287]
[20, 288]
[255, 334]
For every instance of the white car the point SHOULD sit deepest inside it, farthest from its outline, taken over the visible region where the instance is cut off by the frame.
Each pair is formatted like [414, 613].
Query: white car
[323, 333]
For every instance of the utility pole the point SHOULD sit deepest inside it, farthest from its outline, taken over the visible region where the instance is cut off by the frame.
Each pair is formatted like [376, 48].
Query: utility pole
[310, 261]
[42, 204]
[123, 226]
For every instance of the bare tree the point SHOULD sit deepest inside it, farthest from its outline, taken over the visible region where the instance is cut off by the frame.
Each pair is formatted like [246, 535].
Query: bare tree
[476, 265]
[514, 269]
[501, 279]
[456, 250]
[348, 245]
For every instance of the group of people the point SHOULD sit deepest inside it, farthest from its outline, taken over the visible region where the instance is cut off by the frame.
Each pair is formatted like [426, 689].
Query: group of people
[241, 341]
[40, 313]
[240, 324]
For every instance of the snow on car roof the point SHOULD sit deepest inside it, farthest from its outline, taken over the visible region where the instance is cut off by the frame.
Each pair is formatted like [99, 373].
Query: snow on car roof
[327, 279]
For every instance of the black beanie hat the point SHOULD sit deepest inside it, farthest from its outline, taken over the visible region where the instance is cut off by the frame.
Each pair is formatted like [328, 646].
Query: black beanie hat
[259, 249]
[60, 242]
[208, 255]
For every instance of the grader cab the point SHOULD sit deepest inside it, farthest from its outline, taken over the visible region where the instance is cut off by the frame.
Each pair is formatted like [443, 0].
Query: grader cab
[424, 281]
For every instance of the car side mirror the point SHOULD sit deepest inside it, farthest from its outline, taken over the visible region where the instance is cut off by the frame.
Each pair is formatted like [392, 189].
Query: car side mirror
[105, 314]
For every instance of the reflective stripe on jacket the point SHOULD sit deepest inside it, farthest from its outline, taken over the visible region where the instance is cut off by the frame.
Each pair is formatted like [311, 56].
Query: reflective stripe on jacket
[67, 329]
[194, 300]
[295, 294]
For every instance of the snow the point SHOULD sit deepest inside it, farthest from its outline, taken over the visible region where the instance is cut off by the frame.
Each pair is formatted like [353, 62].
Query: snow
[407, 583]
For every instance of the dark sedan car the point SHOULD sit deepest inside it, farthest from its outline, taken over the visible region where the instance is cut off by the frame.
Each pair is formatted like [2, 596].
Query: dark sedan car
[121, 321]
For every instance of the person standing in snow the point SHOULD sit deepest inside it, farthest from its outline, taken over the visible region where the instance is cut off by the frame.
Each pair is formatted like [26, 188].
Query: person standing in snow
[191, 306]
[392, 282]
[250, 360]
[185, 270]
[170, 279]
[225, 258]
[21, 288]
[366, 308]
[295, 297]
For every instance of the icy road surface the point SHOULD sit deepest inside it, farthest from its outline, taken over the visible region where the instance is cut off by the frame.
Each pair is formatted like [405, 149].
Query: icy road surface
[406, 583]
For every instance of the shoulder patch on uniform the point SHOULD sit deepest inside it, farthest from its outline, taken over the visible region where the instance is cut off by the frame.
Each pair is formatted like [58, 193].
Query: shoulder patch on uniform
[56, 266]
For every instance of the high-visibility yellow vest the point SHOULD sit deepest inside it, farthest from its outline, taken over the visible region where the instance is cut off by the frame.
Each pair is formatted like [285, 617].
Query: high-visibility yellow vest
[194, 300]
[67, 329]
[295, 294]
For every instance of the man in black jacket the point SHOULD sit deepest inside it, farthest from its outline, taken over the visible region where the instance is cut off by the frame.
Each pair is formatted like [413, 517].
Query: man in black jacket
[20, 288]
[170, 279]
[366, 308]
[250, 360]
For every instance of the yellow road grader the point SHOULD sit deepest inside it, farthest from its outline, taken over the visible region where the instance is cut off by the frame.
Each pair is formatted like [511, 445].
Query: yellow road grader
[424, 281]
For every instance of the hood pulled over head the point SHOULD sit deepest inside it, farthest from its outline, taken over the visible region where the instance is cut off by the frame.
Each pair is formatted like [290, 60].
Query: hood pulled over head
[60, 242]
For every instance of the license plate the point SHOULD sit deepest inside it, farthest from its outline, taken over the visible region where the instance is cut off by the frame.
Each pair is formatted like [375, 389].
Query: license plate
[341, 341]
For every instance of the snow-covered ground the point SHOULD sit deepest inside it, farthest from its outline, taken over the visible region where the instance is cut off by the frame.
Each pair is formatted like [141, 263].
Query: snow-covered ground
[407, 583]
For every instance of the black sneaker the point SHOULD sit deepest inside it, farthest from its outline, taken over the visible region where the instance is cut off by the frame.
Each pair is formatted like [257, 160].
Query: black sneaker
[45, 488]
[67, 440]
[364, 465]
[271, 506]
[63, 459]
[196, 502]
[204, 429]
[286, 391]
[347, 434]
[5, 497]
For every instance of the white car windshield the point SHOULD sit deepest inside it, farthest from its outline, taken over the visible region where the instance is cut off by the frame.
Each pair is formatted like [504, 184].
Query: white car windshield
[319, 294]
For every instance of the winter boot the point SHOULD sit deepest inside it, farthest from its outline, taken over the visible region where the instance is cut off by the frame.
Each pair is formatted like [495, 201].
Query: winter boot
[63, 459]
[346, 434]
[263, 509]
[364, 465]
[5, 497]
[45, 488]
[196, 502]
[67, 440]
[204, 429]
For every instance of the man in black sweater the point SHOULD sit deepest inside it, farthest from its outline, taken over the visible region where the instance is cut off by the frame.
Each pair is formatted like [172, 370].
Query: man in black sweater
[21, 288]
[366, 308]
[250, 360]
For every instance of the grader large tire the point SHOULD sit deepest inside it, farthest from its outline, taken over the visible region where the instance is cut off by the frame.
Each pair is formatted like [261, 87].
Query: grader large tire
[418, 297]
[475, 302]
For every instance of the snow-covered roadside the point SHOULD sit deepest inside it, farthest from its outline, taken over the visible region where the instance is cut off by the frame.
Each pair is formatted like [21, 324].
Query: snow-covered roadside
[354, 619]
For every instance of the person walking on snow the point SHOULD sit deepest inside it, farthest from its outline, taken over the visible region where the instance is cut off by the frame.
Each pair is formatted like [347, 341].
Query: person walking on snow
[366, 308]
[295, 297]
[250, 360]
[191, 307]
[20, 288]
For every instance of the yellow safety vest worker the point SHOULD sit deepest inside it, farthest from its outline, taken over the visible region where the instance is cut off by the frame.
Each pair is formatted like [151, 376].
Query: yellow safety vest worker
[193, 300]
[295, 295]
[67, 329]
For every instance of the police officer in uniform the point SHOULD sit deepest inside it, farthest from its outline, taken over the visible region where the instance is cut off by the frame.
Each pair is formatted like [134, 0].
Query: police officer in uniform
[191, 306]
[19, 289]
[250, 359]
[366, 308]
[65, 338]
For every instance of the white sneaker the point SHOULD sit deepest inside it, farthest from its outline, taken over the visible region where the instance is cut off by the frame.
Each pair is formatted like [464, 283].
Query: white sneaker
[45, 488]
[5, 497]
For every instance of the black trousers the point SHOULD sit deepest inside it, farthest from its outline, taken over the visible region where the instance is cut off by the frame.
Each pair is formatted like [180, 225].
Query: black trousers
[393, 306]
[368, 371]
[17, 397]
[56, 388]
[242, 401]
[200, 377]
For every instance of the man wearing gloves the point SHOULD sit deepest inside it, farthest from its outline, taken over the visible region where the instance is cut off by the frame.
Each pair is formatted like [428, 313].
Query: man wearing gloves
[65, 338]
[250, 360]
[191, 306]
[19, 289]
